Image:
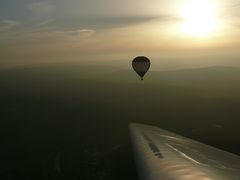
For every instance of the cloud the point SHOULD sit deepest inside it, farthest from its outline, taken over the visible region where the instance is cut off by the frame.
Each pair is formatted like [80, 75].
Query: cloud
[42, 9]
[45, 22]
[61, 35]
[82, 32]
[8, 24]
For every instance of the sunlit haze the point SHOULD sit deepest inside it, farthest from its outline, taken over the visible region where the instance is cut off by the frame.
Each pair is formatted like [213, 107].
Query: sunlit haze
[200, 18]
[200, 33]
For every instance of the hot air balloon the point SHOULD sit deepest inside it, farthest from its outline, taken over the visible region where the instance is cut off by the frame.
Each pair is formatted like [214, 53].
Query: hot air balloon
[141, 65]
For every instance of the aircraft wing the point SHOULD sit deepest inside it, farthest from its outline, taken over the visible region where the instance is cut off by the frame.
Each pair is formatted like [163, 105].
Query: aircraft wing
[163, 155]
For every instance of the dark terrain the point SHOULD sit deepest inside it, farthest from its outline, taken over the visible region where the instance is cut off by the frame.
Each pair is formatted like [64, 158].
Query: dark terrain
[70, 121]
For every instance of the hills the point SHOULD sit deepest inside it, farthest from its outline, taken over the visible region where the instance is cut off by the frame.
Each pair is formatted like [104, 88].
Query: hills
[82, 113]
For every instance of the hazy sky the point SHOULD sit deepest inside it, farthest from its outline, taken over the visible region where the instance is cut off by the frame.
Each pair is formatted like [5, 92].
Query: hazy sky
[173, 33]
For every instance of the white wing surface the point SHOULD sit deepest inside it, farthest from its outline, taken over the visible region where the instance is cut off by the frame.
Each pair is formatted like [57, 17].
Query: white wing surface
[163, 155]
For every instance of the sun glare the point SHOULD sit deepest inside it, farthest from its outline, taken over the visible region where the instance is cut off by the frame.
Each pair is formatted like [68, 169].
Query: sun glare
[200, 18]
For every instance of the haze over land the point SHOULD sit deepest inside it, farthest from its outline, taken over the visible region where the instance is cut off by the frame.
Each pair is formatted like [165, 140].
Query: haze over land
[71, 121]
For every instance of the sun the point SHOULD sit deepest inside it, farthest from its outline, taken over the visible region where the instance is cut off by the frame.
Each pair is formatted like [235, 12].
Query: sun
[200, 18]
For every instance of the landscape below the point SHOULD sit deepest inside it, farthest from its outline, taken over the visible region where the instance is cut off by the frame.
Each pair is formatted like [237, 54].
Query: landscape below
[70, 121]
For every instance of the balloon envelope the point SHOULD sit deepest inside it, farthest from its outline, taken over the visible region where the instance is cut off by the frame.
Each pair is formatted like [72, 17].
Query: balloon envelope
[141, 65]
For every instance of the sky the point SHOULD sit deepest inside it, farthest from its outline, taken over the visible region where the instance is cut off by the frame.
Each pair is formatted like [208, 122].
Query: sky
[173, 33]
